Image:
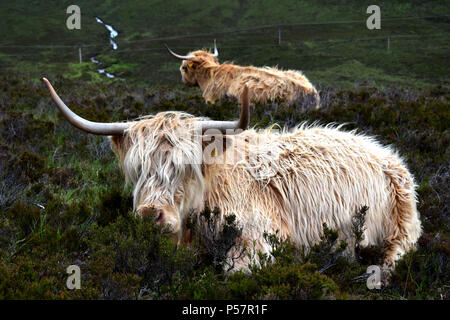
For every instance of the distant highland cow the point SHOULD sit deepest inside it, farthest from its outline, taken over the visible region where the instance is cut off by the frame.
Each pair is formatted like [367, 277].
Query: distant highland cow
[202, 69]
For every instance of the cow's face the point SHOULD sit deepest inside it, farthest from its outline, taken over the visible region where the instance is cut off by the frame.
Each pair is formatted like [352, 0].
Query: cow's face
[163, 164]
[194, 69]
[188, 75]
[161, 157]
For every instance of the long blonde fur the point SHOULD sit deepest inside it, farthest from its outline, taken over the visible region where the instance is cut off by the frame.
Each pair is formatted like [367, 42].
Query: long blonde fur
[292, 181]
[266, 83]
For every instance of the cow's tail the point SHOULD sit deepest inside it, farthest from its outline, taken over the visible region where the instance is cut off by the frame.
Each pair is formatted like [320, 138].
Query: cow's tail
[404, 227]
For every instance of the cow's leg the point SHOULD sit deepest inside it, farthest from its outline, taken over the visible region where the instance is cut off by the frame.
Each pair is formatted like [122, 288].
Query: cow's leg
[245, 254]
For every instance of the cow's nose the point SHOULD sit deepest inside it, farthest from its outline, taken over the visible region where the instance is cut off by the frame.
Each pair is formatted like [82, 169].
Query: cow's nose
[159, 214]
[150, 212]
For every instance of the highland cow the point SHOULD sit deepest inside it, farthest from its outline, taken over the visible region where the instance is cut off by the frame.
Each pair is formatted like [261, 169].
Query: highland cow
[202, 69]
[290, 182]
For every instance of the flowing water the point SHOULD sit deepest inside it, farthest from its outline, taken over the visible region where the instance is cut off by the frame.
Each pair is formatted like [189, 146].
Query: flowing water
[112, 34]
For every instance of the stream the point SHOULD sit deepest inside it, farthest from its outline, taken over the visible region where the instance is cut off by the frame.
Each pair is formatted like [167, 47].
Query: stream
[112, 34]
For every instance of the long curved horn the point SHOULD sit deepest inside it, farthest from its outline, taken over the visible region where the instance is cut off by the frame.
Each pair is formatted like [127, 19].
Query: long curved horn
[216, 52]
[106, 129]
[179, 56]
[242, 123]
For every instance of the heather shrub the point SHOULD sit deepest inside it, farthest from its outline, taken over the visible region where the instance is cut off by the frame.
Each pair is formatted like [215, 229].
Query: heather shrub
[63, 202]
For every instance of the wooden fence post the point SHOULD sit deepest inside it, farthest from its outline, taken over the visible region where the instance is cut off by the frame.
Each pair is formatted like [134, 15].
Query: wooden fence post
[279, 35]
[79, 53]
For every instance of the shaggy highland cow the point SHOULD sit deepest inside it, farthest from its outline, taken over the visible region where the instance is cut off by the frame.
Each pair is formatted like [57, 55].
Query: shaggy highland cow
[291, 181]
[202, 69]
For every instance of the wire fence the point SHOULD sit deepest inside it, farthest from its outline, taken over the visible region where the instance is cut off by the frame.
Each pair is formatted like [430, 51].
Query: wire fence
[222, 32]
[284, 43]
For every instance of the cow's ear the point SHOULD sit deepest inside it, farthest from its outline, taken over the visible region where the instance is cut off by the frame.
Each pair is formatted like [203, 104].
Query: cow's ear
[118, 145]
[116, 142]
[192, 64]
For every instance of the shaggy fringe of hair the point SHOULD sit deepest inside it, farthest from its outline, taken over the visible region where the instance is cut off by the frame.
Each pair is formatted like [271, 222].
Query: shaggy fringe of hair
[158, 158]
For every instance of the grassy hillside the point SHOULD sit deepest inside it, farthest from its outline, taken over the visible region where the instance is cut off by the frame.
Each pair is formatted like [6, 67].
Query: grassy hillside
[62, 194]
[35, 39]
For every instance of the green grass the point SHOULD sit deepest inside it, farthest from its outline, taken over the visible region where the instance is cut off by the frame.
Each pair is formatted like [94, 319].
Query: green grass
[418, 60]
